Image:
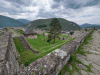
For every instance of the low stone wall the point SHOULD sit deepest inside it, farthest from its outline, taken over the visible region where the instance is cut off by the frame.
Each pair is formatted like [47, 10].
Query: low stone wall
[52, 63]
[8, 55]
[26, 44]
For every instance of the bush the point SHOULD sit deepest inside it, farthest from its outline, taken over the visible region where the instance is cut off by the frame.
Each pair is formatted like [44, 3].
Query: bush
[71, 33]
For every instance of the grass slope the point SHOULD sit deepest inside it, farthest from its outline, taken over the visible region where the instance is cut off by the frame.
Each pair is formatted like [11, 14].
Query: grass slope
[66, 25]
[9, 22]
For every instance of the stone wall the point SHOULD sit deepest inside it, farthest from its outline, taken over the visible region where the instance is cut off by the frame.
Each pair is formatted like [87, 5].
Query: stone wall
[52, 63]
[78, 33]
[32, 36]
[8, 55]
[26, 44]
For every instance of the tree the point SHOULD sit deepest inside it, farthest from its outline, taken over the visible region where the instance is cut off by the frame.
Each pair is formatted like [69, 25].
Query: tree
[55, 29]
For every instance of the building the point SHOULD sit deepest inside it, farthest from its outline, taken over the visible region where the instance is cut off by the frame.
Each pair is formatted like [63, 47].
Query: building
[31, 34]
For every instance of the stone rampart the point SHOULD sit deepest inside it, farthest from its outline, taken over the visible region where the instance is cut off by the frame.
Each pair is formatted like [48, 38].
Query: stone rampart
[8, 55]
[52, 63]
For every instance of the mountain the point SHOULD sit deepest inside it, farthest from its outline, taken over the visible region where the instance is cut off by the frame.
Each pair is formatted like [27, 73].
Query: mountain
[66, 25]
[25, 21]
[9, 22]
[86, 25]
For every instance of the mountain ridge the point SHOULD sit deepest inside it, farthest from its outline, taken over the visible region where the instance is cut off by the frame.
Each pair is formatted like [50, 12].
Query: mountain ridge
[87, 25]
[66, 25]
[25, 21]
[9, 22]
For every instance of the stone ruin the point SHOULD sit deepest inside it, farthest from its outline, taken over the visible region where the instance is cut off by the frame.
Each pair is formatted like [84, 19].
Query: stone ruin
[18, 28]
[50, 64]
[26, 45]
[78, 33]
[8, 55]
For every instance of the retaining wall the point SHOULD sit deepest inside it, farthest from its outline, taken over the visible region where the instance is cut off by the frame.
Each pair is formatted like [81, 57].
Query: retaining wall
[26, 44]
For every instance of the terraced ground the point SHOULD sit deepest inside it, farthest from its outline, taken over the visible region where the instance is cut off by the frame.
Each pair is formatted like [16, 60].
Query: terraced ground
[86, 60]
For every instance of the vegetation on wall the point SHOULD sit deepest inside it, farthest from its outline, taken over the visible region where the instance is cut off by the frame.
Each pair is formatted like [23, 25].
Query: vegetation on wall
[74, 61]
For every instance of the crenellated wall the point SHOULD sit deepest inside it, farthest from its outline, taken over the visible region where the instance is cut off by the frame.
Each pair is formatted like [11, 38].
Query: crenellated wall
[50, 64]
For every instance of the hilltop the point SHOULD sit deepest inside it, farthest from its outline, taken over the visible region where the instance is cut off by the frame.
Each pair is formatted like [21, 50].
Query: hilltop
[66, 25]
[9, 22]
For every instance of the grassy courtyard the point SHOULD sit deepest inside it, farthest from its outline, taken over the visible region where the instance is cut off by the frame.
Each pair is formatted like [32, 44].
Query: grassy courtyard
[40, 44]
[20, 31]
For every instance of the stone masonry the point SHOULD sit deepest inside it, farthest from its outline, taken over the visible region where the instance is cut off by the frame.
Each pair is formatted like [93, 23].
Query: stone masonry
[50, 64]
[8, 55]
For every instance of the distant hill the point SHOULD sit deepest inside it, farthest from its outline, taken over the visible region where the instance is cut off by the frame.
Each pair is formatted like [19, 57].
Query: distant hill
[25, 21]
[86, 25]
[9, 22]
[66, 25]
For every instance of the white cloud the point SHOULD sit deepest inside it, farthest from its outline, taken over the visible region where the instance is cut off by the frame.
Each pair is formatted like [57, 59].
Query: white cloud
[43, 9]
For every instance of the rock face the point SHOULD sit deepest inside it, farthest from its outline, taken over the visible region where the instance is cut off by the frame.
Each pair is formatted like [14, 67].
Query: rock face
[8, 55]
[51, 64]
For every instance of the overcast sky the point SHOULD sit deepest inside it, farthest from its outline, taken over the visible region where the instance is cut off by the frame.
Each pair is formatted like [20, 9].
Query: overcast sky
[79, 11]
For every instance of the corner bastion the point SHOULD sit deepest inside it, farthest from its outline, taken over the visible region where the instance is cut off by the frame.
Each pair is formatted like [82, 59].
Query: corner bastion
[50, 64]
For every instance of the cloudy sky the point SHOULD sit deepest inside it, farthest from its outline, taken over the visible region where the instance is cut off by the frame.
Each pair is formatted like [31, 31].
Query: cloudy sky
[79, 11]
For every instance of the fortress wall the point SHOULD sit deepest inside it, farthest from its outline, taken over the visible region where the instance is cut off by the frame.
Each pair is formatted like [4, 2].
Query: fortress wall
[52, 63]
[26, 44]
[8, 55]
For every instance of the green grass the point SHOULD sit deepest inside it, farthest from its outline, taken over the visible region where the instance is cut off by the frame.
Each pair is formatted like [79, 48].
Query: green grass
[64, 36]
[20, 31]
[24, 54]
[73, 59]
[39, 44]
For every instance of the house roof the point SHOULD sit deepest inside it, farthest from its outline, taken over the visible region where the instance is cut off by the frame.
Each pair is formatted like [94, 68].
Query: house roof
[30, 32]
